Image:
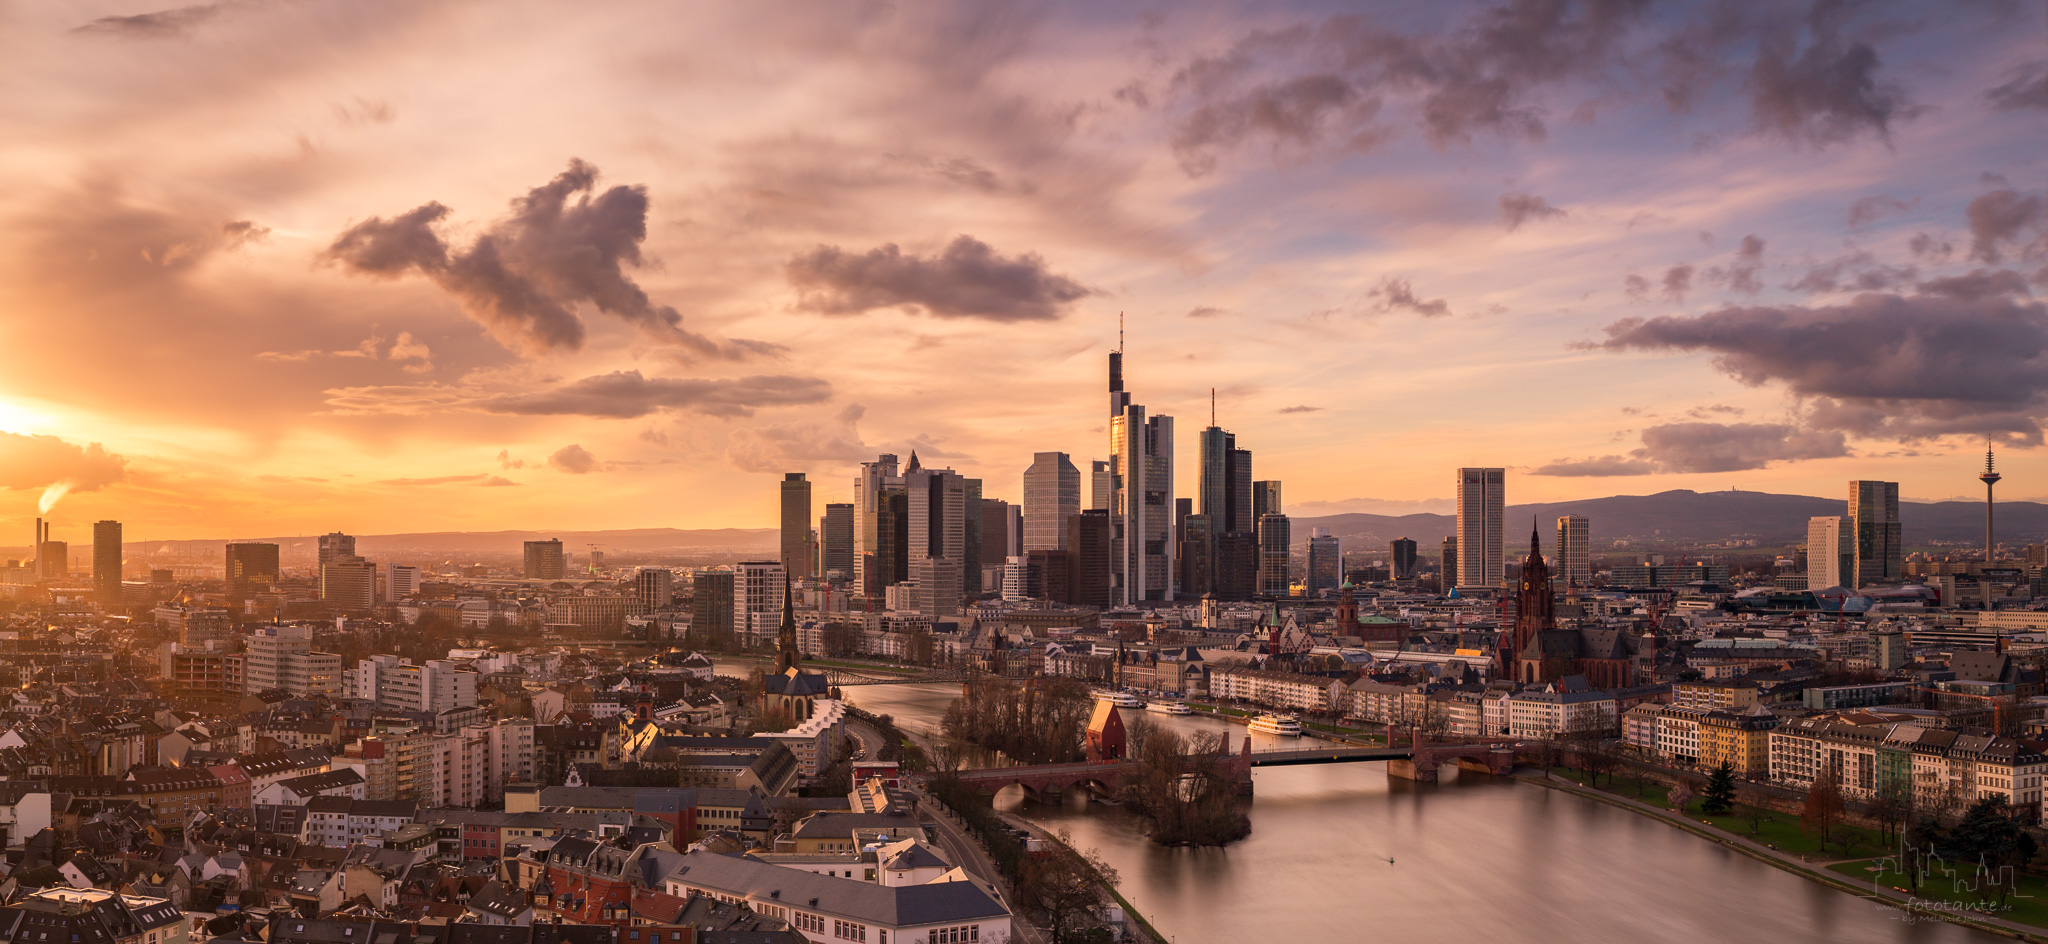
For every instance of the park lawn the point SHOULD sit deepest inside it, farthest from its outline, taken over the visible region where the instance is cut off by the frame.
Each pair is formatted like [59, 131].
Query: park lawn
[2027, 905]
[1782, 830]
[1652, 792]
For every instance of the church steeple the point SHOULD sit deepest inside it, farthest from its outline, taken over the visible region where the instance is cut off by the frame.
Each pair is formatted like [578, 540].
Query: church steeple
[786, 654]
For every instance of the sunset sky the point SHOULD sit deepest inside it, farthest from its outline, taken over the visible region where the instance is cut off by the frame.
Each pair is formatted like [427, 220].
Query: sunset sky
[298, 266]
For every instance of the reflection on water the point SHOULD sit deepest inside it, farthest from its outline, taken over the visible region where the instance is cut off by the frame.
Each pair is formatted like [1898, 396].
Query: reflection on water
[1471, 859]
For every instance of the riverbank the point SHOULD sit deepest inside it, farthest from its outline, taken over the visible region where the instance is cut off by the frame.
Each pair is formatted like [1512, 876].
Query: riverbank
[1911, 907]
[1131, 914]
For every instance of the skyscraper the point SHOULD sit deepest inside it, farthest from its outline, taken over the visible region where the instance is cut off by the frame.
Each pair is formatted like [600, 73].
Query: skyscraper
[654, 588]
[1052, 494]
[106, 562]
[1088, 552]
[1226, 482]
[1482, 493]
[1830, 552]
[543, 559]
[797, 556]
[1275, 537]
[835, 542]
[1449, 577]
[336, 545]
[1101, 485]
[1197, 555]
[401, 580]
[757, 592]
[1574, 551]
[251, 566]
[711, 605]
[880, 529]
[1237, 566]
[1002, 532]
[1880, 543]
[349, 583]
[1325, 561]
[1401, 560]
[1141, 504]
[1266, 499]
[939, 527]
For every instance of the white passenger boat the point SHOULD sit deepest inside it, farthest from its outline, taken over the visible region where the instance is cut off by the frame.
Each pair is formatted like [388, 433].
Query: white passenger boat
[1170, 708]
[1276, 725]
[1120, 699]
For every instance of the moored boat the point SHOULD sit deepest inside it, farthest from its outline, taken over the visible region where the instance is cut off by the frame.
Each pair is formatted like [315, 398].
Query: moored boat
[1276, 725]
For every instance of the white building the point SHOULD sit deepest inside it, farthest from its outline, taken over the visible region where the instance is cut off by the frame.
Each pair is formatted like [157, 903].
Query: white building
[396, 684]
[757, 592]
[825, 908]
[1553, 714]
[283, 658]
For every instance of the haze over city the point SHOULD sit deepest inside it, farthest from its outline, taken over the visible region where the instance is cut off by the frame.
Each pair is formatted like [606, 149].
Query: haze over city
[276, 268]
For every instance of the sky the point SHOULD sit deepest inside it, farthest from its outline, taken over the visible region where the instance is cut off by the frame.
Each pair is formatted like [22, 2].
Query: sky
[291, 267]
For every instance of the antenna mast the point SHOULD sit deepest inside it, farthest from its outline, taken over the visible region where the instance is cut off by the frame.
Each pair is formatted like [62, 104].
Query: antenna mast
[1119, 332]
[1212, 406]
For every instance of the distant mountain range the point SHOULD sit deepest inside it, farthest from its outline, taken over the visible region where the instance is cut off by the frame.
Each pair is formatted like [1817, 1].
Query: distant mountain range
[1683, 516]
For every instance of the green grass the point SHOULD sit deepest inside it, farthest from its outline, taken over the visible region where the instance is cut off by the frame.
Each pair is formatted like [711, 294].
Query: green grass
[1651, 792]
[2028, 905]
[1777, 828]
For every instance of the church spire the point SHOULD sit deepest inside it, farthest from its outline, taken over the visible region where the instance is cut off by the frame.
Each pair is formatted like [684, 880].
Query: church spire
[785, 637]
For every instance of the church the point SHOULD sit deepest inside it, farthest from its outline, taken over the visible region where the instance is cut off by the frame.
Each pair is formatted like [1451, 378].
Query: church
[1538, 652]
[789, 688]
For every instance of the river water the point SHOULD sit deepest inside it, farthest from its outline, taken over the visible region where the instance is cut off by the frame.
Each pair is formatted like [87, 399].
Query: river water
[1473, 859]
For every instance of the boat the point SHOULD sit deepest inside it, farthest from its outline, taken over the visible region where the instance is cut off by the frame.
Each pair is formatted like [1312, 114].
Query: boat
[1276, 725]
[1170, 708]
[1120, 699]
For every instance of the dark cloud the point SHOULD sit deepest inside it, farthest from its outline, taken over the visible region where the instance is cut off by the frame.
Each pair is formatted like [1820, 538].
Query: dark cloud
[1882, 365]
[1519, 208]
[968, 280]
[2027, 89]
[780, 447]
[1204, 311]
[1301, 409]
[2007, 217]
[1980, 283]
[1636, 286]
[1741, 275]
[1597, 466]
[573, 459]
[1867, 210]
[1709, 447]
[1677, 282]
[163, 24]
[1826, 92]
[1397, 294]
[35, 461]
[625, 394]
[1857, 271]
[524, 277]
[1932, 248]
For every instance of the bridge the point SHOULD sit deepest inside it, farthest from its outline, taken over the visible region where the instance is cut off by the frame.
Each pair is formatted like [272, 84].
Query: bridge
[1416, 761]
[846, 678]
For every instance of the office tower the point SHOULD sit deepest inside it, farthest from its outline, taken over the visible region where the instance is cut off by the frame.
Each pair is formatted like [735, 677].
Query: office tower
[1101, 485]
[1266, 499]
[1830, 552]
[349, 583]
[835, 542]
[1574, 551]
[1482, 493]
[1275, 534]
[1989, 477]
[1401, 560]
[654, 588]
[757, 592]
[1197, 556]
[1449, 577]
[880, 529]
[1141, 499]
[938, 586]
[711, 606]
[106, 562]
[251, 566]
[403, 580]
[938, 525]
[1226, 483]
[544, 560]
[1052, 494]
[1237, 566]
[1021, 581]
[1325, 561]
[336, 546]
[797, 556]
[1880, 544]
[1002, 533]
[970, 561]
[1090, 543]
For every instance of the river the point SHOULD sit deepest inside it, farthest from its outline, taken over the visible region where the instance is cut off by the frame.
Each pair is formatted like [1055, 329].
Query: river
[1472, 859]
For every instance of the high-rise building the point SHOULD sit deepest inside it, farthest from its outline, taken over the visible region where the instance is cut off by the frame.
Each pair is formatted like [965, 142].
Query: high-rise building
[251, 566]
[1266, 499]
[654, 588]
[1401, 559]
[1002, 531]
[1197, 555]
[1275, 537]
[349, 583]
[1449, 576]
[797, 556]
[1089, 546]
[335, 546]
[106, 562]
[1482, 495]
[1830, 552]
[1226, 482]
[939, 525]
[1574, 551]
[282, 658]
[1052, 494]
[1880, 542]
[1141, 502]
[835, 542]
[881, 529]
[544, 560]
[1325, 561]
[1101, 485]
[711, 606]
[1237, 566]
[402, 580]
[757, 592]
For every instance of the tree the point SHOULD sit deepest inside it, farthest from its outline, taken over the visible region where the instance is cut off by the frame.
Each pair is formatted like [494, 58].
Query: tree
[1920, 845]
[1892, 806]
[1719, 796]
[1822, 815]
[1138, 728]
[1066, 886]
[1682, 793]
[1753, 805]
[1990, 838]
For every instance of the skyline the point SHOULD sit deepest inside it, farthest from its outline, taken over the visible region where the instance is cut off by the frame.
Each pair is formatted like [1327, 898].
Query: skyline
[263, 278]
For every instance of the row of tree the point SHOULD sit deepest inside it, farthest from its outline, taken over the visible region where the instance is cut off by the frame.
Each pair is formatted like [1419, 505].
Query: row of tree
[1183, 786]
[1033, 721]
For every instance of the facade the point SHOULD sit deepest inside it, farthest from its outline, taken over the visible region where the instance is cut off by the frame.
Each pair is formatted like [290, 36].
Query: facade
[1141, 473]
[1275, 538]
[881, 536]
[1087, 571]
[1325, 562]
[798, 557]
[711, 604]
[106, 562]
[401, 581]
[250, 566]
[1448, 577]
[1401, 560]
[835, 542]
[282, 658]
[1052, 495]
[1482, 494]
[1830, 552]
[1283, 690]
[757, 593]
[1554, 714]
[544, 560]
[654, 588]
[1944, 770]
[1101, 486]
[1739, 739]
[1575, 550]
[942, 524]
[349, 583]
[395, 684]
[1880, 542]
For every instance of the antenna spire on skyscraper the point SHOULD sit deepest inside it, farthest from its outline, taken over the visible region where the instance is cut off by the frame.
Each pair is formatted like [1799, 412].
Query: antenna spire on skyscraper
[1212, 406]
[1119, 332]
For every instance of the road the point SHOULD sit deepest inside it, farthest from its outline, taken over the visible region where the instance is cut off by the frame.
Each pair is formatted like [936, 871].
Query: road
[966, 853]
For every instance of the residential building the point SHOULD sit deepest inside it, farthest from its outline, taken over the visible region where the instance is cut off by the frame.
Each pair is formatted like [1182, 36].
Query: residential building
[654, 588]
[401, 581]
[395, 684]
[1739, 739]
[282, 658]
[1725, 696]
[92, 915]
[349, 583]
[1550, 713]
[758, 589]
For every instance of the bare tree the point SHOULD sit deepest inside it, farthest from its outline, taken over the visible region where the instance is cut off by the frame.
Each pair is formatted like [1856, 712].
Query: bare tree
[1067, 886]
[1752, 803]
[1822, 816]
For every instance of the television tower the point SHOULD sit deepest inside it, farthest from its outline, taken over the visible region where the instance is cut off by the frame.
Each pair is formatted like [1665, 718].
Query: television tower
[1989, 478]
